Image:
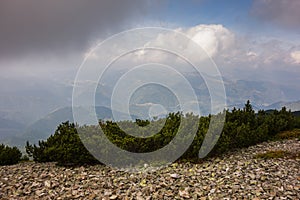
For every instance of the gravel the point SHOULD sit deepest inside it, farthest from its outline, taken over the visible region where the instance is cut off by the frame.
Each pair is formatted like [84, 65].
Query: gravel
[235, 175]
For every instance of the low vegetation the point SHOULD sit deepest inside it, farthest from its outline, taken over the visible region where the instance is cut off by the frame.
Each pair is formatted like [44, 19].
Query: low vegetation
[243, 128]
[9, 155]
[64, 147]
[278, 154]
[272, 154]
[288, 134]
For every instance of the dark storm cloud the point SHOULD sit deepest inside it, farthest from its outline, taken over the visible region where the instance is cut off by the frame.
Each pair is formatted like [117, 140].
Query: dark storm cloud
[285, 13]
[58, 26]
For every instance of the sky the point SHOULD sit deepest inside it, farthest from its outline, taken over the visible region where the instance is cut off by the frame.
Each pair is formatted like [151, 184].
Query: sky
[43, 43]
[54, 32]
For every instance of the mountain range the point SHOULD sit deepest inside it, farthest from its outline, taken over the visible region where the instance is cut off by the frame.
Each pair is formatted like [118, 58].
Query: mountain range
[31, 114]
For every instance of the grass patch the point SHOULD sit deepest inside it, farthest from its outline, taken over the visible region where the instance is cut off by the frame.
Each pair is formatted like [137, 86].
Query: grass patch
[278, 154]
[288, 134]
[272, 154]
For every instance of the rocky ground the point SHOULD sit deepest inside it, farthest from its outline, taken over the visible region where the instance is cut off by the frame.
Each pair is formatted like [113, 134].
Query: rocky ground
[235, 175]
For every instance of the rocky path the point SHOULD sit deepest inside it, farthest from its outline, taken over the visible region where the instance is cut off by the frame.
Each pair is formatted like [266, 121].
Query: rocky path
[234, 176]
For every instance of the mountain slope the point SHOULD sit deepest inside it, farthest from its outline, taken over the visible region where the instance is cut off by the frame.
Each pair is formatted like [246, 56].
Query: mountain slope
[46, 126]
[9, 128]
[293, 106]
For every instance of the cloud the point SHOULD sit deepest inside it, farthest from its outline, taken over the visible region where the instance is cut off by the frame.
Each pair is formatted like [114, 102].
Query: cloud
[228, 49]
[59, 27]
[212, 38]
[284, 13]
[253, 53]
[295, 55]
[237, 56]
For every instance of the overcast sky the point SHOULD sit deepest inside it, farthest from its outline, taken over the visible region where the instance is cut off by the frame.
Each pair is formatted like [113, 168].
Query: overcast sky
[249, 39]
[49, 32]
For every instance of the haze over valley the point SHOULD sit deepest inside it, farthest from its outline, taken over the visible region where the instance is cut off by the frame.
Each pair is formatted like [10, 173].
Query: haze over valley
[256, 53]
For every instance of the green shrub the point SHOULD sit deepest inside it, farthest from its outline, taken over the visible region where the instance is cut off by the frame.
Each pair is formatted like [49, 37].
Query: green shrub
[243, 128]
[139, 144]
[9, 155]
[297, 122]
[64, 147]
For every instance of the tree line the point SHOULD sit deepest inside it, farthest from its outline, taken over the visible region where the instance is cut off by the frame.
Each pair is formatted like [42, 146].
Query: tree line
[242, 128]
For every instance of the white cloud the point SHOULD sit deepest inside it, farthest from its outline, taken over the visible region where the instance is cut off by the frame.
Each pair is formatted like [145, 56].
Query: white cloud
[212, 38]
[233, 53]
[295, 55]
[252, 56]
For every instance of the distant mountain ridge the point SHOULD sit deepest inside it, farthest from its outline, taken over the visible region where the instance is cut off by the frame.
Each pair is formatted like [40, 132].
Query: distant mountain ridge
[26, 107]
[46, 126]
[293, 106]
[43, 128]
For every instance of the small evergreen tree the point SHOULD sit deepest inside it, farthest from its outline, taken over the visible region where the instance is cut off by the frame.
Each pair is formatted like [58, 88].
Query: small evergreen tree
[9, 155]
[64, 147]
